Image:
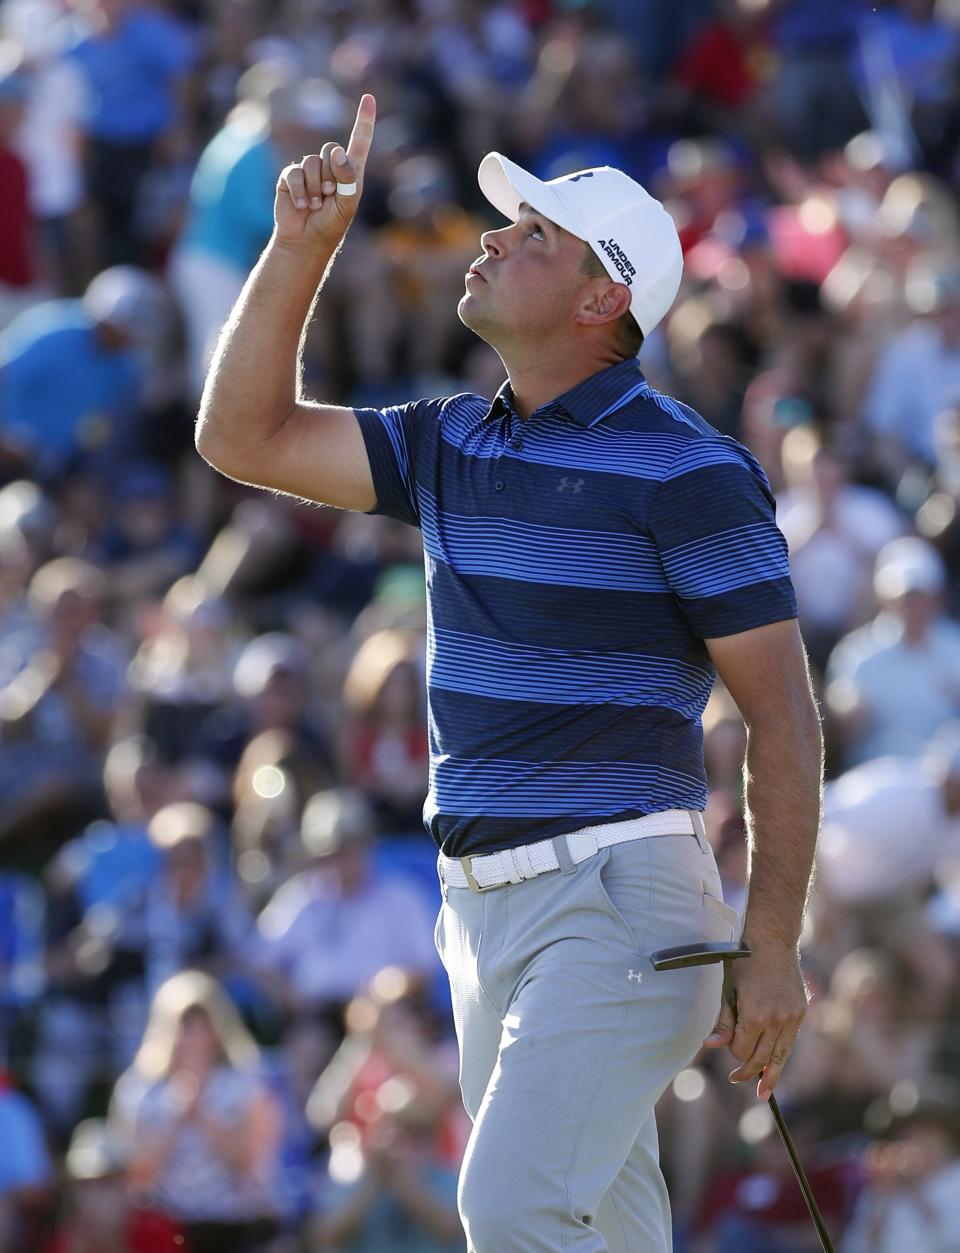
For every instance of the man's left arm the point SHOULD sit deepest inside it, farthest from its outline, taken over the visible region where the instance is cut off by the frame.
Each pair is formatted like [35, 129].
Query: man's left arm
[766, 672]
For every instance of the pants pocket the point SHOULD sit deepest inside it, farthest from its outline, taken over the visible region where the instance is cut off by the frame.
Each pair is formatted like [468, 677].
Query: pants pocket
[626, 889]
[722, 910]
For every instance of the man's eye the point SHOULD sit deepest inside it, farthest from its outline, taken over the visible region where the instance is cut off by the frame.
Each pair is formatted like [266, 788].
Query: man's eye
[537, 230]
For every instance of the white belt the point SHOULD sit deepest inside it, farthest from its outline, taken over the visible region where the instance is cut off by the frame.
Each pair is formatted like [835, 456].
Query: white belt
[484, 871]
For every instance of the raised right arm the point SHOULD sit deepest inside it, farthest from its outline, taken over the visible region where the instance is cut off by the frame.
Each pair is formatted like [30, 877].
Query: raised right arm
[254, 426]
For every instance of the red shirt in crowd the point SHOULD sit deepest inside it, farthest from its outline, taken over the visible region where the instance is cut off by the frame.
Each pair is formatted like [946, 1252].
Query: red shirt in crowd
[15, 264]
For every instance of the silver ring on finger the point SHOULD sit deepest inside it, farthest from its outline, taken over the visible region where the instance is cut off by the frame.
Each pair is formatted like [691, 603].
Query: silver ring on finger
[346, 189]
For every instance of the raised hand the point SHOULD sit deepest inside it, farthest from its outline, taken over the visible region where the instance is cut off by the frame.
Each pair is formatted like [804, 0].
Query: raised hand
[317, 197]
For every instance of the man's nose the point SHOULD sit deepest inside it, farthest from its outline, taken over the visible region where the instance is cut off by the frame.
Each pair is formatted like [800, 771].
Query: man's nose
[492, 242]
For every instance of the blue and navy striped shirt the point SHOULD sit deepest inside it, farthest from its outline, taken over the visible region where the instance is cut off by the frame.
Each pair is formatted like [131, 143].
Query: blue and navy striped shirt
[575, 563]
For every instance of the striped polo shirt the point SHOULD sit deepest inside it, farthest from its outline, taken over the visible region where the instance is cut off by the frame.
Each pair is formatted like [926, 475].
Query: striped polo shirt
[575, 561]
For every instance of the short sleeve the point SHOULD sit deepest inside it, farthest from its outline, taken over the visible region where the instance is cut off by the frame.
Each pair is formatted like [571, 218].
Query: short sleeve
[395, 439]
[724, 557]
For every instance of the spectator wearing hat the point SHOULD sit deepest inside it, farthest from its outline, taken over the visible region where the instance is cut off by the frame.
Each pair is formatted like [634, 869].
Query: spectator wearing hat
[330, 928]
[71, 377]
[893, 682]
[911, 1193]
[99, 1214]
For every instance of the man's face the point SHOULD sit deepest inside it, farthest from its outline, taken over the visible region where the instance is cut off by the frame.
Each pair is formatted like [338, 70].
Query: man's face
[529, 281]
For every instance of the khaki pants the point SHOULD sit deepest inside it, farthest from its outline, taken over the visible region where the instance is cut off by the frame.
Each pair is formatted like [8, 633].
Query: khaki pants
[568, 1037]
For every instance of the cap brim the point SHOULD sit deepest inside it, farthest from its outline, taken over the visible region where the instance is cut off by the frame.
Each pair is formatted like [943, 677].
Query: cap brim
[506, 185]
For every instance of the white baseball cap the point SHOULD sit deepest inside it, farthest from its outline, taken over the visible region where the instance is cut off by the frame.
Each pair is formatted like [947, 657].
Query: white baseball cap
[630, 231]
[908, 564]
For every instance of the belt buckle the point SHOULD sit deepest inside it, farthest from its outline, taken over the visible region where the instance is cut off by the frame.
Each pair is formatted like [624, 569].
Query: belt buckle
[471, 878]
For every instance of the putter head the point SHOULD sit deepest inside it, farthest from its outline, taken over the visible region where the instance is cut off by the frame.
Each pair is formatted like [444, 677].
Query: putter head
[705, 954]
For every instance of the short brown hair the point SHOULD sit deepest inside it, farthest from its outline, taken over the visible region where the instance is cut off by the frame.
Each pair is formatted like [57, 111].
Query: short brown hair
[629, 337]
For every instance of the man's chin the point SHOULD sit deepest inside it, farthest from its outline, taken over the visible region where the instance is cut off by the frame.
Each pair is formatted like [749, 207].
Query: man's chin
[475, 320]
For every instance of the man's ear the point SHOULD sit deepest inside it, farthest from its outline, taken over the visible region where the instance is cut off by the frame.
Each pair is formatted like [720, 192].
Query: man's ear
[607, 302]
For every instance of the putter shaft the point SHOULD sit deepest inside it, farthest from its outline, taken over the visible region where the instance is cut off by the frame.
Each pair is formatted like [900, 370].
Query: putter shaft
[802, 1180]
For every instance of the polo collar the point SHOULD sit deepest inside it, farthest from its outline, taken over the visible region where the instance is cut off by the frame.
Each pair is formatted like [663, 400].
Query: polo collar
[588, 401]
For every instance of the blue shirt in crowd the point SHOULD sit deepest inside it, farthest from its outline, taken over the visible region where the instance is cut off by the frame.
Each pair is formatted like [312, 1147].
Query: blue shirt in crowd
[24, 1159]
[231, 196]
[61, 391]
[131, 74]
[576, 562]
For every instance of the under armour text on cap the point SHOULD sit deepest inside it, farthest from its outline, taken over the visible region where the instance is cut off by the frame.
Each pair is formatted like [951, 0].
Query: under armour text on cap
[630, 231]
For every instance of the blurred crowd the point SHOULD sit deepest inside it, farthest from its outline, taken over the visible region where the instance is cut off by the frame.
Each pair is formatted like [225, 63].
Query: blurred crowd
[224, 1024]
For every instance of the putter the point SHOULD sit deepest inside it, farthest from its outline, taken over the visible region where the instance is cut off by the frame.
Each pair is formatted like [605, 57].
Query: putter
[708, 954]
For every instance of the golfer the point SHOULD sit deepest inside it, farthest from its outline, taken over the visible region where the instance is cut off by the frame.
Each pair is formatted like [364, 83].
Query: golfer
[595, 553]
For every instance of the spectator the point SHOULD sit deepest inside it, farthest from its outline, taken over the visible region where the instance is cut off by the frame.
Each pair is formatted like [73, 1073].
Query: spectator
[919, 373]
[386, 745]
[16, 259]
[272, 681]
[893, 682]
[428, 245]
[93, 1015]
[195, 915]
[391, 1103]
[274, 779]
[26, 1170]
[404, 1199]
[183, 670]
[862, 858]
[132, 60]
[71, 378]
[100, 1216]
[331, 927]
[865, 1039]
[59, 697]
[145, 547]
[231, 199]
[834, 530]
[201, 1129]
[911, 1197]
[49, 142]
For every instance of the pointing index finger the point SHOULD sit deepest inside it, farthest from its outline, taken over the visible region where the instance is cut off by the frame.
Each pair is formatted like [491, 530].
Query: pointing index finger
[362, 134]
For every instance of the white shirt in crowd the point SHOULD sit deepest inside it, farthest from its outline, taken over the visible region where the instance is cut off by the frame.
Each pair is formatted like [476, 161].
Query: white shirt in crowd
[832, 567]
[885, 829]
[916, 377]
[329, 945]
[908, 691]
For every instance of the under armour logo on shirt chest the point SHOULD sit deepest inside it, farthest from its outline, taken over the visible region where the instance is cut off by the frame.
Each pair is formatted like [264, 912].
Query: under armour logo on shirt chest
[567, 484]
